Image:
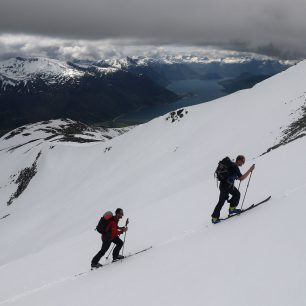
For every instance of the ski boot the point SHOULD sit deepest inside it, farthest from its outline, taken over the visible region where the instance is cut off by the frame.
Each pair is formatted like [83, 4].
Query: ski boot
[118, 257]
[234, 211]
[95, 266]
[215, 220]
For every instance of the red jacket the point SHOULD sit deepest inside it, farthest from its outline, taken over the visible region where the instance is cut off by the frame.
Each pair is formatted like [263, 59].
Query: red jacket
[111, 231]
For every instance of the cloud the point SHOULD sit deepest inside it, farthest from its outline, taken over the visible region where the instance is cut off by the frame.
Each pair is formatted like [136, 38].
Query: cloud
[252, 25]
[14, 45]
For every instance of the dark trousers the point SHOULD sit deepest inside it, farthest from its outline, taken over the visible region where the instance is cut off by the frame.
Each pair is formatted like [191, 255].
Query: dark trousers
[225, 190]
[105, 246]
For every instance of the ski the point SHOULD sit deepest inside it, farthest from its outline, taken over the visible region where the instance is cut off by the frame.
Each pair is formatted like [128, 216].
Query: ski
[249, 208]
[125, 257]
[130, 255]
[5, 216]
[113, 262]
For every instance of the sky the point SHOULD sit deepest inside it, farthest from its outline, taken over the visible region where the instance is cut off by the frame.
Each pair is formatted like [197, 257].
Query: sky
[274, 27]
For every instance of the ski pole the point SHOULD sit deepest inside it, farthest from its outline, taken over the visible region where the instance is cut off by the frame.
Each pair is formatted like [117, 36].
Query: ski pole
[246, 189]
[126, 223]
[110, 252]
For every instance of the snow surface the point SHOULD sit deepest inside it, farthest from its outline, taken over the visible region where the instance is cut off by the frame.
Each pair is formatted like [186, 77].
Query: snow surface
[161, 174]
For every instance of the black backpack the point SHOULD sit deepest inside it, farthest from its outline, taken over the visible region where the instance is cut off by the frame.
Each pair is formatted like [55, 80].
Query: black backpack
[104, 221]
[222, 171]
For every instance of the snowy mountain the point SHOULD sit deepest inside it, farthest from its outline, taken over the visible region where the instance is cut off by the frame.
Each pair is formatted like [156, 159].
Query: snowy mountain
[192, 57]
[38, 89]
[16, 70]
[25, 70]
[161, 174]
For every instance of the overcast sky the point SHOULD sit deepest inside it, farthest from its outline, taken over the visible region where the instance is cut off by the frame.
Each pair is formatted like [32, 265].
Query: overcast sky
[273, 27]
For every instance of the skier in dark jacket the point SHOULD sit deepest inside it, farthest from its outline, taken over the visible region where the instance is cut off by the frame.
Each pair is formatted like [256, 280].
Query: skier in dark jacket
[111, 235]
[227, 188]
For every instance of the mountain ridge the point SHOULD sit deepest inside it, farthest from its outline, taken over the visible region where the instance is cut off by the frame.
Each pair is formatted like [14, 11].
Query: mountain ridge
[24, 69]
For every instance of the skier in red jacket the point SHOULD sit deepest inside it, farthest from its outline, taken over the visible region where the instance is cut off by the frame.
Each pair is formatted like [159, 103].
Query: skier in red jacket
[109, 236]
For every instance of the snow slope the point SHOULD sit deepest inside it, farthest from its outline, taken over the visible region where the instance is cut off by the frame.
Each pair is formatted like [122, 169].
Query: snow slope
[161, 174]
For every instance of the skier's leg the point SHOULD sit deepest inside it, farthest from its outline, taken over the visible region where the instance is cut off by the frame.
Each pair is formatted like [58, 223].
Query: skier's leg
[104, 248]
[222, 198]
[234, 201]
[119, 243]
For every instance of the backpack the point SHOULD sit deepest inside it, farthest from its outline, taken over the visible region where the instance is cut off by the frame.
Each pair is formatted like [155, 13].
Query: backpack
[104, 221]
[222, 171]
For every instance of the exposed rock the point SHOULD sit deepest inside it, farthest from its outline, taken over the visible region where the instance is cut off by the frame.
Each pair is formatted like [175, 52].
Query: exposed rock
[23, 180]
[296, 130]
[177, 115]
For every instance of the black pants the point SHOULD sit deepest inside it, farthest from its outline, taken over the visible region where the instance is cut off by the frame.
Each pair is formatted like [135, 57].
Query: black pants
[105, 246]
[225, 190]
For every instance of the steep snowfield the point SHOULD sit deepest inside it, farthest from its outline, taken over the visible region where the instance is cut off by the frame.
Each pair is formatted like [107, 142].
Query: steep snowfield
[161, 174]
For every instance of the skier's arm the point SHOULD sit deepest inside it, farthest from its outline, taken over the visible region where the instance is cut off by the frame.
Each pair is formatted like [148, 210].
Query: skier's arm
[244, 176]
[124, 228]
[121, 230]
